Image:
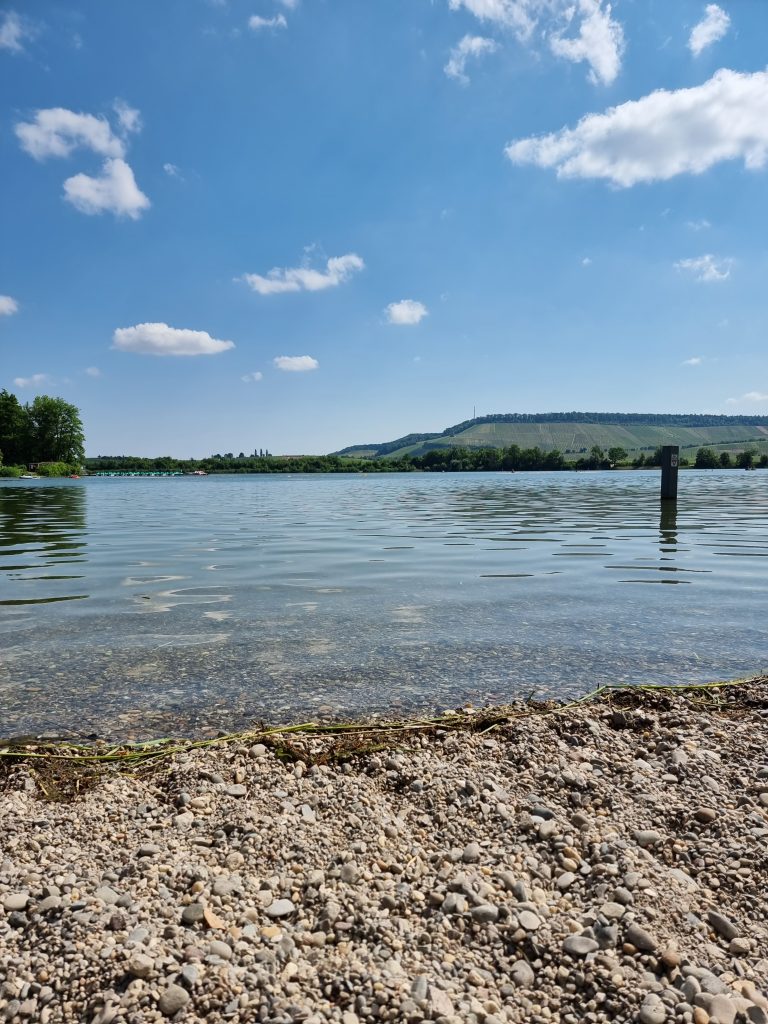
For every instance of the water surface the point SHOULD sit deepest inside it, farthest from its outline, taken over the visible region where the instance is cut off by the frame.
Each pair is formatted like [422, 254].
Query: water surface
[139, 607]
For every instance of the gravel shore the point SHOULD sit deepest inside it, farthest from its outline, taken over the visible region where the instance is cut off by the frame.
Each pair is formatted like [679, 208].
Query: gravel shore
[606, 861]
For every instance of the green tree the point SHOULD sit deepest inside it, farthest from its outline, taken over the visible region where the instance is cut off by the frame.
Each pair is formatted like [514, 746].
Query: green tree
[13, 430]
[617, 455]
[746, 459]
[705, 459]
[56, 431]
[725, 460]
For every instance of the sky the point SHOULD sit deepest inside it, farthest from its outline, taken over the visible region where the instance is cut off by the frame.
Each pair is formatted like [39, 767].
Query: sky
[297, 225]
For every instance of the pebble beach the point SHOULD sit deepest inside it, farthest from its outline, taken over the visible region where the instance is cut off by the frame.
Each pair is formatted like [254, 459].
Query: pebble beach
[601, 861]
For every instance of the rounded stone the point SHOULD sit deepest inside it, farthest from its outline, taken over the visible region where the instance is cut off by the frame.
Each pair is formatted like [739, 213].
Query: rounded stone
[140, 966]
[705, 815]
[15, 901]
[173, 999]
[280, 908]
[193, 913]
[529, 920]
[220, 949]
[522, 974]
[486, 913]
[580, 945]
[652, 1010]
[640, 938]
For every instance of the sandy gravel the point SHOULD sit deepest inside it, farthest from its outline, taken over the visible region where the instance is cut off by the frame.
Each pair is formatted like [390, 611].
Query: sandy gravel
[608, 862]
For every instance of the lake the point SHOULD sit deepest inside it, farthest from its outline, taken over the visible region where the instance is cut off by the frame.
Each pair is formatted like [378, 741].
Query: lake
[137, 608]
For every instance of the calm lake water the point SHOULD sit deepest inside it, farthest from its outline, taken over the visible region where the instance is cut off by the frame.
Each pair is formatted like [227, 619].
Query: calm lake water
[142, 607]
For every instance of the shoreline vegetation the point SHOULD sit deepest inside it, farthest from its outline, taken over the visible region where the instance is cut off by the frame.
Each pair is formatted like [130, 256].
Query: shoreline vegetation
[512, 459]
[594, 860]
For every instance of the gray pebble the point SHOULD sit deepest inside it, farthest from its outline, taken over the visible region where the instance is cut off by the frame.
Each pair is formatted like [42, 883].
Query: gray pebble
[173, 999]
[280, 908]
[580, 945]
[725, 928]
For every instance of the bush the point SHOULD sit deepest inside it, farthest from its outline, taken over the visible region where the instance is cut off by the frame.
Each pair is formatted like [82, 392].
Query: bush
[10, 471]
[55, 469]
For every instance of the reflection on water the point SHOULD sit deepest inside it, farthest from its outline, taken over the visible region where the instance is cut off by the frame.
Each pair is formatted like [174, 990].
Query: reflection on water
[42, 533]
[140, 607]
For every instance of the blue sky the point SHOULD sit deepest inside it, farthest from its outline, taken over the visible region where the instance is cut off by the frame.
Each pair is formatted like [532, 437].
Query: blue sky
[302, 224]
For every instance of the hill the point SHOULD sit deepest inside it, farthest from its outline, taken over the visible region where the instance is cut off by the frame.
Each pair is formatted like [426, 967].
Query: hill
[574, 433]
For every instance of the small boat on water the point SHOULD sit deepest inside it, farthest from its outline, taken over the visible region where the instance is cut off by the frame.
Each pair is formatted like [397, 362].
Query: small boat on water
[29, 476]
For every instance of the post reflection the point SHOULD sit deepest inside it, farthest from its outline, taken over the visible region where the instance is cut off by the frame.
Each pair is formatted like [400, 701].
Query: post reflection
[668, 543]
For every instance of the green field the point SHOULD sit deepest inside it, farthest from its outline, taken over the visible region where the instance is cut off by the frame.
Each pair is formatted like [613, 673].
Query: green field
[576, 438]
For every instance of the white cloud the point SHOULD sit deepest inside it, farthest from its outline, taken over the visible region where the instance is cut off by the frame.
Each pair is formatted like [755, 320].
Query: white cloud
[712, 27]
[295, 364]
[750, 397]
[586, 262]
[338, 269]
[162, 340]
[172, 170]
[600, 42]
[250, 378]
[693, 361]
[469, 46]
[57, 132]
[706, 268]
[290, 4]
[698, 225]
[37, 380]
[406, 312]
[12, 31]
[8, 306]
[93, 371]
[256, 22]
[661, 135]
[114, 191]
[511, 14]
[128, 117]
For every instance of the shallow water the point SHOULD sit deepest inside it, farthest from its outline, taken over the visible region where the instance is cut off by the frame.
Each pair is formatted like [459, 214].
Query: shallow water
[135, 608]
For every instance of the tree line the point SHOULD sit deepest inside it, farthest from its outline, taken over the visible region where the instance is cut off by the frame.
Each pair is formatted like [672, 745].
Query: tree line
[435, 461]
[438, 460]
[46, 430]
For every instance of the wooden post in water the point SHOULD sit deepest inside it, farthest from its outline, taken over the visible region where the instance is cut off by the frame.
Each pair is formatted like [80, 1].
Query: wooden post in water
[670, 458]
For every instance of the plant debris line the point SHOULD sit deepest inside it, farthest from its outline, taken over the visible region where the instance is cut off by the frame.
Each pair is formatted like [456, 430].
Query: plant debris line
[65, 770]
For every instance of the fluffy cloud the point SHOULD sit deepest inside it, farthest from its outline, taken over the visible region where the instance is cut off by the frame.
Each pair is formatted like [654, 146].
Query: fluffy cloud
[37, 380]
[93, 371]
[114, 191]
[693, 361]
[712, 27]
[698, 225]
[600, 42]
[749, 398]
[295, 364]
[162, 340]
[252, 378]
[706, 268]
[172, 170]
[469, 46]
[8, 306]
[338, 269]
[510, 14]
[57, 132]
[256, 22]
[128, 117]
[661, 135]
[12, 31]
[406, 312]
